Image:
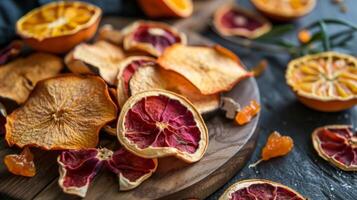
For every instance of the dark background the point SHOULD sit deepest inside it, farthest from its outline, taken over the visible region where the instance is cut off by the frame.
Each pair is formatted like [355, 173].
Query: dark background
[302, 169]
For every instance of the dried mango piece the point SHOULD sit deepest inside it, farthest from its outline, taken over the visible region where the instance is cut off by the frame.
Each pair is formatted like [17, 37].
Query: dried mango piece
[21, 164]
[247, 113]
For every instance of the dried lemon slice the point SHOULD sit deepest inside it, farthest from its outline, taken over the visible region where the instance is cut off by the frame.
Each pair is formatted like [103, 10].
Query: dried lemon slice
[325, 81]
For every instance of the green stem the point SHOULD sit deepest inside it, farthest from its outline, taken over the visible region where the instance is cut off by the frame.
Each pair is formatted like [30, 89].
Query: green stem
[325, 37]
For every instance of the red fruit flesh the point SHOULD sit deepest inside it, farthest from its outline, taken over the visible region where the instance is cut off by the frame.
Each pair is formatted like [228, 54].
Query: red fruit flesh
[235, 19]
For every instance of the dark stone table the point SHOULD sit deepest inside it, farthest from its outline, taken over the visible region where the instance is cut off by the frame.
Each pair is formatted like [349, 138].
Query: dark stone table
[302, 169]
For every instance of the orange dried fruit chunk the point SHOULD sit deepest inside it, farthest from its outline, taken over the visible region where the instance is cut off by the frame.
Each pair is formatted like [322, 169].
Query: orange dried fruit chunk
[167, 8]
[21, 164]
[252, 189]
[64, 112]
[59, 26]
[246, 114]
[101, 58]
[210, 69]
[159, 123]
[325, 81]
[19, 77]
[260, 68]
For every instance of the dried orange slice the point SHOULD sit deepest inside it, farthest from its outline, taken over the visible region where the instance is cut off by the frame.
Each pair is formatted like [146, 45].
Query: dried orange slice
[158, 123]
[210, 69]
[232, 20]
[100, 58]
[325, 81]
[59, 26]
[154, 77]
[167, 8]
[284, 10]
[20, 76]
[338, 145]
[260, 189]
[151, 37]
[64, 112]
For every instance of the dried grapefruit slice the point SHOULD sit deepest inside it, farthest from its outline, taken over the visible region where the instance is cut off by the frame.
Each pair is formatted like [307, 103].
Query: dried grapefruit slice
[210, 69]
[64, 112]
[284, 10]
[160, 123]
[127, 68]
[19, 77]
[167, 8]
[260, 189]
[101, 58]
[154, 77]
[151, 37]
[325, 81]
[59, 26]
[232, 20]
[338, 145]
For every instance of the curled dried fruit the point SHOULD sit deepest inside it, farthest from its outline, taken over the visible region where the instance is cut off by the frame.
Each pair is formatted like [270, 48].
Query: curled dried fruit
[154, 77]
[230, 20]
[230, 107]
[21, 164]
[78, 168]
[325, 81]
[338, 145]
[253, 189]
[10, 51]
[18, 77]
[210, 69]
[64, 112]
[158, 123]
[108, 33]
[100, 58]
[246, 114]
[151, 37]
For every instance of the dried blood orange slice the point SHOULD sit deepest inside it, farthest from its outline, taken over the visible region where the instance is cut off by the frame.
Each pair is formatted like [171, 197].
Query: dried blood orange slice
[284, 10]
[21, 164]
[154, 77]
[59, 26]
[160, 123]
[230, 20]
[167, 8]
[127, 68]
[151, 37]
[78, 168]
[101, 58]
[260, 189]
[64, 112]
[325, 81]
[210, 69]
[338, 145]
[19, 77]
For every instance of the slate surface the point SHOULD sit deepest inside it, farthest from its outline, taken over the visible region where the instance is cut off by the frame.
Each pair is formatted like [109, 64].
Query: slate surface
[302, 169]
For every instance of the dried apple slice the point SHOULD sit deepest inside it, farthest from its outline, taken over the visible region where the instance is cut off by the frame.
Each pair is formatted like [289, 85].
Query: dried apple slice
[18, 77]
[210, 69]
[260, 189]
[127, 68]
[232, 20]
[159, 123]
[101, 58]
[154, 77]
[64, 112]
[151, 37]
[338, 145]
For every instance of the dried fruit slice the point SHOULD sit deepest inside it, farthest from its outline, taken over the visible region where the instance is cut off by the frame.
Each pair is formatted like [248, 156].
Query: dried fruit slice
[284, 10]
[338, 145]
[18, 77]
[101, 58]
[325, 81]
[127, 68]
[210, 69]
[151, 37]
[232, 20]
[64, 112]
[260, 189]
[167, 8]
[108, 33]
[21, 164]
[131, 170]
[154, 77]
[3, 115]
[10, 51]
[160, 123]
[59, 26]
